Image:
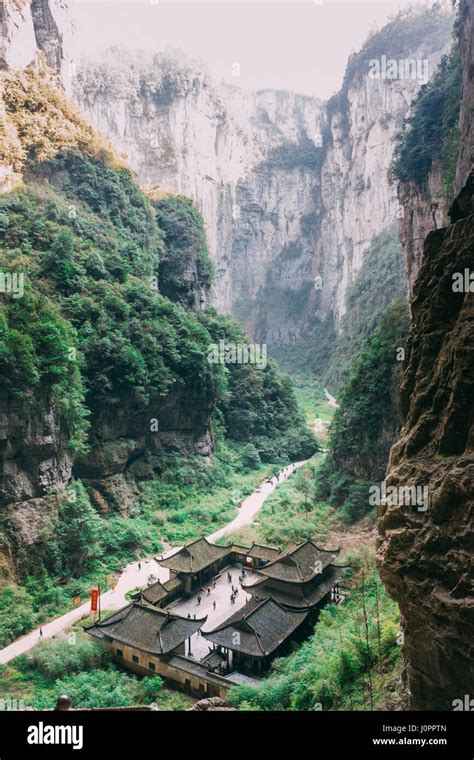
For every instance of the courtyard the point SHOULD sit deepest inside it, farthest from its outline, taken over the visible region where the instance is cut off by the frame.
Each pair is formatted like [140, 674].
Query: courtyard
[224, 608]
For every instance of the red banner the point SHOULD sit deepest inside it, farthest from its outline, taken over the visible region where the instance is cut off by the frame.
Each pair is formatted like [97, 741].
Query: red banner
[94, 599]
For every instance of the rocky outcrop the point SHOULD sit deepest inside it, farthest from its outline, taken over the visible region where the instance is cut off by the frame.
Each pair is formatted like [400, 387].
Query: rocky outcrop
[282, 206]
[128, 445]
[426, 556]
[35, 468]
[212, 704]
[424, 209]
[466, 43]
[35, 32]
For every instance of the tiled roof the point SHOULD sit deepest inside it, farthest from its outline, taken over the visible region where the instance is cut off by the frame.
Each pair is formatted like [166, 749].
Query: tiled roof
[195, 668]
[194, 556]
[148, 628]
[154, 594]
[214, 659]
[300, 564]
[158, 591]
[257, 551]
[258, 628]
[299, 596]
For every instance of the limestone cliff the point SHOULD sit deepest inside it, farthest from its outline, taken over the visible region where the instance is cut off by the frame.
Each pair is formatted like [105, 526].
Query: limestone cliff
[290, 189]
[35, 463]
[424, 209]
[35, 31]
[426, 556]
[240, 156]
[38, 456]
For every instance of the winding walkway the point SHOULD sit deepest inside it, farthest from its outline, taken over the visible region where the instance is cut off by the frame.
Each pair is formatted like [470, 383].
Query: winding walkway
[136, 573]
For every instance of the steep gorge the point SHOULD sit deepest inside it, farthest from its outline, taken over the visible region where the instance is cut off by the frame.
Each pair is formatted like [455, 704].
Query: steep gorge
[104, 356]
[290, 189]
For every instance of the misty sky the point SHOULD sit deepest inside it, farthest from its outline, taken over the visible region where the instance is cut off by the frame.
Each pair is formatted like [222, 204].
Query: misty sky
[296, 45]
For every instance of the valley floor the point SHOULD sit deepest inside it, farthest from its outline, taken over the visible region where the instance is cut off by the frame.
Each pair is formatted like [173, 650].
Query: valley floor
[136, 573]
[358, 674]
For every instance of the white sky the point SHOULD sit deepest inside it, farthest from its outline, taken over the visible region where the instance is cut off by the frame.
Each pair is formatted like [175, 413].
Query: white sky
[297, 45]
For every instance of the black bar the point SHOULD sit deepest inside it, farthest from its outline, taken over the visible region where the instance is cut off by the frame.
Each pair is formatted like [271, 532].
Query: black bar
[114, 732]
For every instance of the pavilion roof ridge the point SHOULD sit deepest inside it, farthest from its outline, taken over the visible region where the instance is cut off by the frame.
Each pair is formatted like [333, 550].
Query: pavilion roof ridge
[320, 548]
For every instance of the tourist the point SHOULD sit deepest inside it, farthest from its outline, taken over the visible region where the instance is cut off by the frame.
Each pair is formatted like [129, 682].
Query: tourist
[189, 615]
[214, 605]
[139, 566]
[208, 591]
[199, 599]
[41, 633]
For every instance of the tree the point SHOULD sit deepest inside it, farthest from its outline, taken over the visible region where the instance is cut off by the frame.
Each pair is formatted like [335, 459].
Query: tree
[79, 531]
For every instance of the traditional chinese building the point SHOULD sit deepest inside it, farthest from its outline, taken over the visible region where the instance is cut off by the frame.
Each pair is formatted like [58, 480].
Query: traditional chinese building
[196, 563]
[140, 635]
[160, 594]
[151, 641]
[255, 634]
[290, 587]
[301, 578]
[199, 561]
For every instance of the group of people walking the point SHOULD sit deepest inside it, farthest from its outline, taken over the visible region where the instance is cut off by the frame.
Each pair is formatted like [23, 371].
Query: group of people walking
[286, 471]
[234, 593]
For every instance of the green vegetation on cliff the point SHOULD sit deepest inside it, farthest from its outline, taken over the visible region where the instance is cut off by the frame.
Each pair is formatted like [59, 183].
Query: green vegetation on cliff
[259, 405]
[367, 421]
[185, 260]
[380, 282]
[430, 135]
[88, 241]
[92, 334]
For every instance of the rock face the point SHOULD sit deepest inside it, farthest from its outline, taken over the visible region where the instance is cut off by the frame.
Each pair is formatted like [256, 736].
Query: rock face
[426, 557]
[290, 189]
[35, 465]
[466, 40]
[33, 30]
[222, 147]
[212, 704]
[127, 445]
[35, 468]
[424, 209]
